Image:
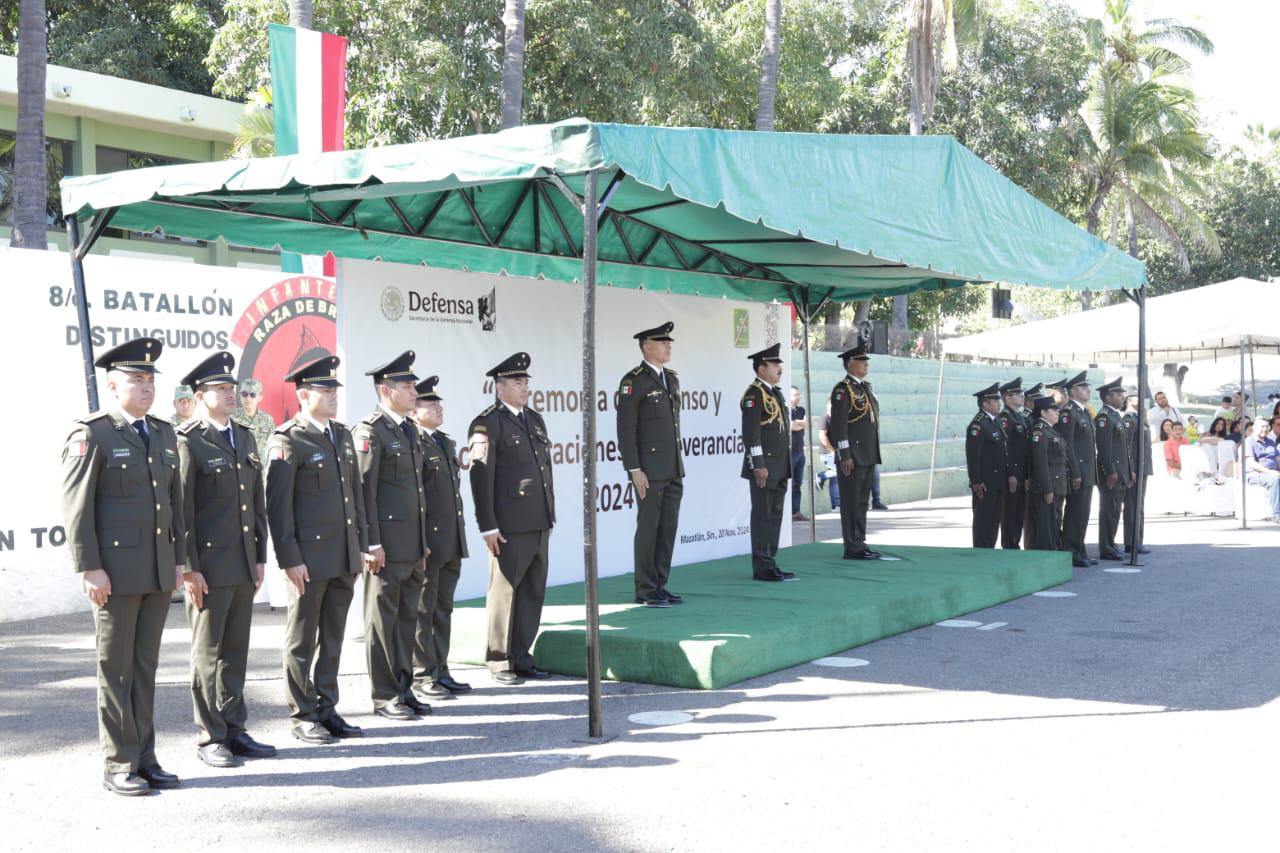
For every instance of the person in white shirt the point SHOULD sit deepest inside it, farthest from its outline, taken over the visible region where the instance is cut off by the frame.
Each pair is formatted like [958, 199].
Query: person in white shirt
[1163, 410]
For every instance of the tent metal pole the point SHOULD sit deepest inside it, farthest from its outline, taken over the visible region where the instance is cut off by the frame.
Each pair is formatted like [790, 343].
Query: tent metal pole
[937, 418]
[591, 585]
[808, 426]
[1140, 466]
[1244, 467]
[1253, 385]
[82, 308]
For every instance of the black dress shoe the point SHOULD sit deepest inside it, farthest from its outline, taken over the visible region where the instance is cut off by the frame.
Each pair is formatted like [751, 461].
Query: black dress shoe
[217, 755]
[875, 555]
[878, 505]
[1113, 555]
[417, 706]
[339, 727]
[770, 576]
[505, 676]
[653, 599]
[1080, 564]
[432, 690]
[126, 784]
[1093, 562]
[157, 777]
[864, 554]
[535, 674]
[448, 682]
[242, 744]
[671, 597]
[398, 711]
[309, 732]
[786, 576]
[1143, 549]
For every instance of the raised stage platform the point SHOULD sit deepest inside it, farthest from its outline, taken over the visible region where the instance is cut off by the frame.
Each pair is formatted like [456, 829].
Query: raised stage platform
[731, 628]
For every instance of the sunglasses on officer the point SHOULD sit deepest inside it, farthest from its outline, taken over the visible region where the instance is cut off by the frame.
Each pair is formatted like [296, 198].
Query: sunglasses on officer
[248, 393]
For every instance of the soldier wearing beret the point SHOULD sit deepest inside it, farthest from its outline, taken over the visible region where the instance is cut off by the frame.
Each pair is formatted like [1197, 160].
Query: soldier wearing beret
[447, 544]
[1115, 470]
[855, 431]
[766, 431]
[225, 514]
[649, 438]
[1075, 425]
[251, 415]
[1015, 427]
[315, 511]
[986, 451]
[122, 499]
[1048, 471]
[515, 503]
[395, 508]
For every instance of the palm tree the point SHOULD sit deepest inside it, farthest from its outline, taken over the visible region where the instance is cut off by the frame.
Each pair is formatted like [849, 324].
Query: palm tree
[30, 217]
[256, 129]
[513, 64]
[769, 65]
[300, 13]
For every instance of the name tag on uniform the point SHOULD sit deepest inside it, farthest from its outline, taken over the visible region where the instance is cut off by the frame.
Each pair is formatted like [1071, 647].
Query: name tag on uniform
[393, 445]
[121, 453]
[316, 457]
[217, 463]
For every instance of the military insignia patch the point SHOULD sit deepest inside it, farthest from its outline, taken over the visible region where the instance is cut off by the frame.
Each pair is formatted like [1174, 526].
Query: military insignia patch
[77, 448]
[974, 431]
[839, 395]
[275, 452]
[1035, 436]
[1102, 422]
[749, 403]
[363, 444]
[626, 388]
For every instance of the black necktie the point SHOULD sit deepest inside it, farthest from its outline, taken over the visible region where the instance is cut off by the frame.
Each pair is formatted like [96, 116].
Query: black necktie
[226, 434]
[524, 423]
[328, 431]
[440, 441]
[407, 430]
[141, 429]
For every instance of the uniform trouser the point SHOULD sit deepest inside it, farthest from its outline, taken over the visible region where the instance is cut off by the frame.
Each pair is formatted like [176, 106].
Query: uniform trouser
[1075, 521]
[1014, 517]
[513, 604]
[128, 640]
[657, 518]
[1110, 505]
[987, 512]
[435, 620]
[313, 631]
[797, 479]
[855, 491]
[391, 599]
[219, 658]
[1133, 522]
[1044, 522]
[766, 524]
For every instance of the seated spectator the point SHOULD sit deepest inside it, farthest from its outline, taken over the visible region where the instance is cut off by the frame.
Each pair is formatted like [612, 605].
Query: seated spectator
[1261, 466]
[1218, 449]
[1172, 456]
[1166, 430]
[1217, 431]
[1237, 433]
[1225, 411]
[1193, 429]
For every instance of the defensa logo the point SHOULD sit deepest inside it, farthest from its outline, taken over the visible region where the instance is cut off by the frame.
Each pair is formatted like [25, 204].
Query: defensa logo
[435, 307]
[392, 303]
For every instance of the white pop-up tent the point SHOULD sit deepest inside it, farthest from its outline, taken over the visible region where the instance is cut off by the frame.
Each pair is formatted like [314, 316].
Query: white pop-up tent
[1236, 317]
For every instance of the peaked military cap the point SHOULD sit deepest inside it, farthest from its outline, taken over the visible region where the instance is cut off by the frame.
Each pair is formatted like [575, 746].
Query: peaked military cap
[768, 354]
[857, 353]
[992, 392]
[136, 356]
[1113, 385]
[1034, 391]
[427, 389]
[1014, 386]
[251, 385]
[182, 392]
[322, 372]
[214, 370]
[398, 369]
[1043, 403]
[1081, 378]
[515, 366]
[1060, 385]
[657, 333]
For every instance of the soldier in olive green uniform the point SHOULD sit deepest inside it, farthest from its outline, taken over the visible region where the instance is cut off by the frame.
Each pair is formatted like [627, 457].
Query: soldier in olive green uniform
[1115, 471]
[1048, 471]
[649, 439]
[249, 413]
[225, 513]
[991, 479]
[1139, 434]
[515, 504]
[1015, 427]
[766, 431]
[855, 432]
[184, 405]
[447, 540]
[1075, 425]
[122, 499]
[396, 512]
[315, 511]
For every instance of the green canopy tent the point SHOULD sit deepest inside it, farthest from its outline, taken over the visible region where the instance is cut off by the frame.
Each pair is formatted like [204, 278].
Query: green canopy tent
[804, 218]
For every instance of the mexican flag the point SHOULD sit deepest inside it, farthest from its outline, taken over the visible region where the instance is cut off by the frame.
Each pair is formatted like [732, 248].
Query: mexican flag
[309, 100]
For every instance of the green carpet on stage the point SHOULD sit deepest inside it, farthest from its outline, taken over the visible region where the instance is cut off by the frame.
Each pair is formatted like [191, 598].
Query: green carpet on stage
[731, 628]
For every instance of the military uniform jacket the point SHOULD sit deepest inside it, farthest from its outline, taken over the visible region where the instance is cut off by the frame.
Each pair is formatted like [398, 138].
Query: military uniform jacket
[1113, 446]
[649, 423]
[766, 431]
[1076, 427]
[315, 506]
[260, 425]
[855, 422]
[1018, 439]
[511, 482]
[442, 484]
[123, 502]
[986, 451]
[1048, 460]
[395, 507]
[224, 505]
[1138, 442]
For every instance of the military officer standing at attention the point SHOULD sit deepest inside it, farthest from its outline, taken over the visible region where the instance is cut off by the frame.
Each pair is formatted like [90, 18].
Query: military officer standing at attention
[225, 513]
[447, 544]
[1029, 397]
[1015, 427]
[991, 478]
[315, 511]
[649, 438]
[395, 510]
[122, 500]
[515, 508]
[1139, 433]
[1075, 424]
[249, 413]
[766, 431]
[1048, 471]
[855, 431]
[1115, 471]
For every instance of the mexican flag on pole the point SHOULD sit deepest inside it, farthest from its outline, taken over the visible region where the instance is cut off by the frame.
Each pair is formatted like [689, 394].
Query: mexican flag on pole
[309, 100]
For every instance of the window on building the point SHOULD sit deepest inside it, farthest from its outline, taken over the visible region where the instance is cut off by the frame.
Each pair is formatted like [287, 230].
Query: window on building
[58, 164]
